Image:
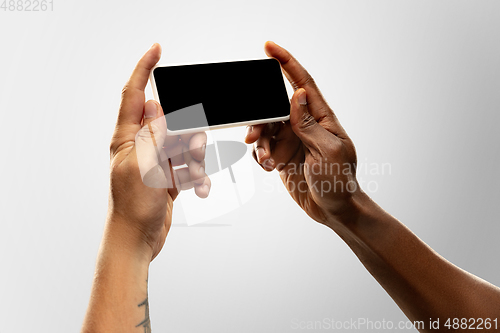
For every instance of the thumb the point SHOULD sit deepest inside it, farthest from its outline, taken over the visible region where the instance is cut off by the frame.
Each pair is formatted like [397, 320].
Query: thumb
[154, 126]
[152, 111]
[303, 123]
[149, 147]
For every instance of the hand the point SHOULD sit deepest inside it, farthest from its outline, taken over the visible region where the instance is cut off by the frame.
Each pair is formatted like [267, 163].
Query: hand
[314, 156]
[143, 188]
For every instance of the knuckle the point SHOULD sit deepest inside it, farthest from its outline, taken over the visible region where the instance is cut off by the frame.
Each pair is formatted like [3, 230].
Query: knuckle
[125, 89]
[306, 80]
[144, 133]
[117, 145]
[306, 121]
[325, 111]
[148, 133]
[113, 144]
[128, 93]
[112, 148]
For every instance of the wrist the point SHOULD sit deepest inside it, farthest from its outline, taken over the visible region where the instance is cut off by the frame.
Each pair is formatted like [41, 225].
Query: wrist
[367, 228]
[354, 209]
[119, 289]
[124, 239]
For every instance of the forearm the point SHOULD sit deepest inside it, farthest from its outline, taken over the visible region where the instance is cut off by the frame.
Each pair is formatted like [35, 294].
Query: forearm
[118, 301]
[421, 282]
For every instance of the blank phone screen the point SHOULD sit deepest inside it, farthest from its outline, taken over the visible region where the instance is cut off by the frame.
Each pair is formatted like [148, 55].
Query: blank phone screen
[230, 92]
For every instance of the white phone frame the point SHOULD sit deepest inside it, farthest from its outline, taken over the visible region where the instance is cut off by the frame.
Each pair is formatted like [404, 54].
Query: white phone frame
[208, 128]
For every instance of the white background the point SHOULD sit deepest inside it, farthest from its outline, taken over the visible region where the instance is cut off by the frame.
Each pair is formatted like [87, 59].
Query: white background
[415, 83]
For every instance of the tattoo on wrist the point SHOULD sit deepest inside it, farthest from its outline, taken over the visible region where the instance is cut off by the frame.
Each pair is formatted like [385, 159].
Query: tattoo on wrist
[146, 322]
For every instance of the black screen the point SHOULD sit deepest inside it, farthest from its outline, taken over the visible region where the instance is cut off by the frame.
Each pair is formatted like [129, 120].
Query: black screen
[230, 92]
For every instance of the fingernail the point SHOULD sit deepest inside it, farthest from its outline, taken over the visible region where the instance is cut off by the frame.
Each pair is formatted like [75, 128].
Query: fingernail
[150, 110]
[260, 153]
[249, 130]
[203, 147]
[206, 188]
[201, 170]
[302, 97]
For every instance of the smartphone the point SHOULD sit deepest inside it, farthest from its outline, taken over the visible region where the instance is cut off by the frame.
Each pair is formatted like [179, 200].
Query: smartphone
[219, 95]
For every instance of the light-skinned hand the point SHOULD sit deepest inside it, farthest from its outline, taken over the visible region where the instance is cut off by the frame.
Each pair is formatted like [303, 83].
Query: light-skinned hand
[141, 200]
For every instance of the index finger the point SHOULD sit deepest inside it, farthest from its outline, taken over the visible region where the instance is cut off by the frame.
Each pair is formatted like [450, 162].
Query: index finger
[300, 78]
[294, 71]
